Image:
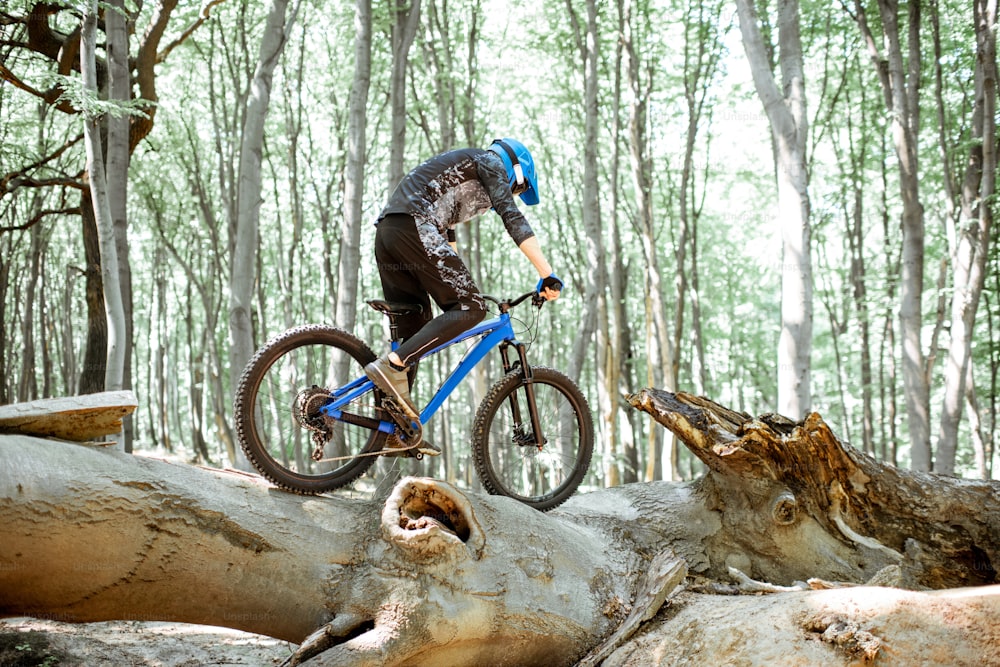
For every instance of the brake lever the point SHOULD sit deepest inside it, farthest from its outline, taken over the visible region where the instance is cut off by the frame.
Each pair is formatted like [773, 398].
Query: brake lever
[537, 300]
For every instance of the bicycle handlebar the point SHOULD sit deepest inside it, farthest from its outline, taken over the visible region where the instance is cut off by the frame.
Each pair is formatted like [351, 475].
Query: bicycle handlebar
[537, 300]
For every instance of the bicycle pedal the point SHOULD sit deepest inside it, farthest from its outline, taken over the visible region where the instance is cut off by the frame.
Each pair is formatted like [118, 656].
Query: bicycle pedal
[409, 429]
[427, 449]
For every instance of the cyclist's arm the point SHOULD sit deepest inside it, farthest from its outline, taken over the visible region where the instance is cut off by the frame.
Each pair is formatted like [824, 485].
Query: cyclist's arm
[494, 180]
[533, 251]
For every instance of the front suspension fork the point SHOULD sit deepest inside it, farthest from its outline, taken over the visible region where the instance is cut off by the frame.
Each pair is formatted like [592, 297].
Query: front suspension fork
[536, 438]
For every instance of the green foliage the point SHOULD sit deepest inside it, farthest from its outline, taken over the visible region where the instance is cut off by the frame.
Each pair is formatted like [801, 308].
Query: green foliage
[90, 103]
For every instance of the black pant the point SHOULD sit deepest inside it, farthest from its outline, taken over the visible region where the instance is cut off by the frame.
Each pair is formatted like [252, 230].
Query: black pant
[415, 264]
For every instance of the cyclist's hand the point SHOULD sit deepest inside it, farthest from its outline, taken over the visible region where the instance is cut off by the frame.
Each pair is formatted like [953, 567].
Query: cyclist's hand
[550, 287]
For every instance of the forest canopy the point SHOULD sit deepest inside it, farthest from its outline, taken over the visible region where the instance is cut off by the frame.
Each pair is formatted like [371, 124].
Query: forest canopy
[251, 145]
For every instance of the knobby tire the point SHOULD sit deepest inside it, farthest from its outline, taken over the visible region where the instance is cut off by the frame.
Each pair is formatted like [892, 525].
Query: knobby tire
[271, 435]
[544, 478]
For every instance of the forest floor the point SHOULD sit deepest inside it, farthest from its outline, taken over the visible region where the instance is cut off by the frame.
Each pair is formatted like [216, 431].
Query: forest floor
[30, 642]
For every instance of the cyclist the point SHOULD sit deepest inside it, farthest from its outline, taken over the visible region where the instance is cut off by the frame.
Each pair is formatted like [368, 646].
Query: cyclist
[416, 253]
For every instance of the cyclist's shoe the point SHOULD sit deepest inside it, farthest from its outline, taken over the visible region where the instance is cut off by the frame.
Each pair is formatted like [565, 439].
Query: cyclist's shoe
[395, 385]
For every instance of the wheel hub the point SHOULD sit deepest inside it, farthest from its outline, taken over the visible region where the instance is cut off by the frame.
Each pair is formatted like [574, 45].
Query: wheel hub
[307, 413]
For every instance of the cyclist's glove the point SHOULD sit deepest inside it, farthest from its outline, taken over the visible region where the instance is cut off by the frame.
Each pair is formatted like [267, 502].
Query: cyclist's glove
[551, 282]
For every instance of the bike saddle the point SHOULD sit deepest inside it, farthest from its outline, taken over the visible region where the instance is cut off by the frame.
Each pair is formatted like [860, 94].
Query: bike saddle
[394, 307]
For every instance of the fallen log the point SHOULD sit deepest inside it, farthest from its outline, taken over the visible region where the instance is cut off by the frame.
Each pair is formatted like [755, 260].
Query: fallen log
[430, 574]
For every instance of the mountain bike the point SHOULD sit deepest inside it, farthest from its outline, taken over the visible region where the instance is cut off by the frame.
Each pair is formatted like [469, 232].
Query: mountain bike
[310, 421]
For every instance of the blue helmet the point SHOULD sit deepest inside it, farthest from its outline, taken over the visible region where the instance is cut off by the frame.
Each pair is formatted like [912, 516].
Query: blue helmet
[520, 168]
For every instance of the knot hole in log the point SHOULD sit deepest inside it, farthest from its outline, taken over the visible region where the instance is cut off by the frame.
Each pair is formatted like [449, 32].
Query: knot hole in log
[785, 509]
[422, 511]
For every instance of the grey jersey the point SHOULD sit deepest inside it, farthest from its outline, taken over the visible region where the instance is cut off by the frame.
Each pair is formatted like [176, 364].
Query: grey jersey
[453, 188]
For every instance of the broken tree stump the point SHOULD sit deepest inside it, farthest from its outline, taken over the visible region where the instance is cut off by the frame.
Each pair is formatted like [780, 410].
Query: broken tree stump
[943, 532]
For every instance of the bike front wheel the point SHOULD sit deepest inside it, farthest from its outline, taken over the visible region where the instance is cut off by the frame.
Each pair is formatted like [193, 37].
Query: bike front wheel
[505, 448]
[278, 422]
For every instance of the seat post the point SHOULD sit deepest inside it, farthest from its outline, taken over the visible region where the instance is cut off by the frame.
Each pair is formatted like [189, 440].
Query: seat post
[393, 310]
[393, 328]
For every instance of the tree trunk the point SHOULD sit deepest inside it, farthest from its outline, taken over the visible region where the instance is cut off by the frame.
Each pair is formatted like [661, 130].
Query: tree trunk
[429, 574]
[243, 274]
[95, 351]
[114, 373]
[594, 322]
[118, 158]
[841, 627]
[79, 418]
[346, 308]
[900, 87]
[659, 350]
[974, 230]
[941, 532]
[405, 19]
[622, 466]
[786, 113]
[27, 387]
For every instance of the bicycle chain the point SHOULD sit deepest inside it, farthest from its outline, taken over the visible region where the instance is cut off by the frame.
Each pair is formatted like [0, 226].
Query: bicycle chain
[306, 412]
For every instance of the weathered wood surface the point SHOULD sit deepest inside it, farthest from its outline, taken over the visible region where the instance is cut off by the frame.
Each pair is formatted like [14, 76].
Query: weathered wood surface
[76, 418]
[943, 532]
[429, 575]
[432, 574]
[847, 627]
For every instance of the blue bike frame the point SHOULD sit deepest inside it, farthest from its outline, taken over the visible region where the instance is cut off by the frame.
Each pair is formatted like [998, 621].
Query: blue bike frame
[494, 332]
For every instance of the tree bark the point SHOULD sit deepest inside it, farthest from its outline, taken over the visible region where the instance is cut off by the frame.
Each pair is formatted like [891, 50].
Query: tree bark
[243, 274]
[95, 351]
[345, 307]
[405, 20]
[974, 230]
[785, 106]
[429, 574]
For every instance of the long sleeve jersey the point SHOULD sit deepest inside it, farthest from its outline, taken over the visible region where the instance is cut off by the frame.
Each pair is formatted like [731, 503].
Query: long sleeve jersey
[453, 188]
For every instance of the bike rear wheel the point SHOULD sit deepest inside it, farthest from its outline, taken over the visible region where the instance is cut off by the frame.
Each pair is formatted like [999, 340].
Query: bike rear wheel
[506, 457]
[277, 404]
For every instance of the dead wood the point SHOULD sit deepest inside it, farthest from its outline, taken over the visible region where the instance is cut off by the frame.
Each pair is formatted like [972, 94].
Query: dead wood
[942, 531]
[77, 418]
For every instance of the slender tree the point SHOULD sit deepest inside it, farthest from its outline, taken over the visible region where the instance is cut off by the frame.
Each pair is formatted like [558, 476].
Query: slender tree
[586, 42]
[785, 106]
[659, 345]
[115, 311]
[243, 275]
[405, 21]
[900, 79]
[974, 229]
[354, 178]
